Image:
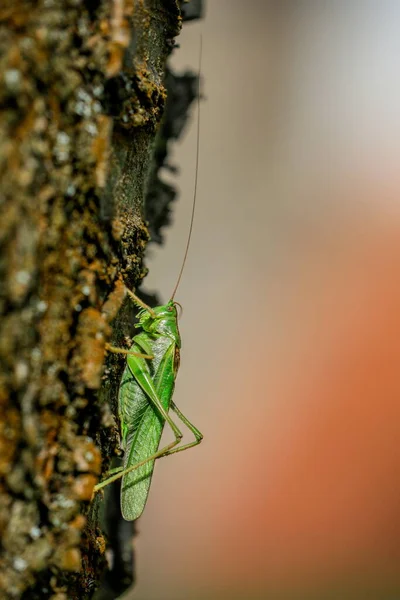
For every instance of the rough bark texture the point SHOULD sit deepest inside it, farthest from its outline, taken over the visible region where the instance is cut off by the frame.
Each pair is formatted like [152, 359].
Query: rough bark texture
[81, 97]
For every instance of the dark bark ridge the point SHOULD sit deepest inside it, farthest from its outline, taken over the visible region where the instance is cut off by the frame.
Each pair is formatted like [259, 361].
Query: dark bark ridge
[81, 100]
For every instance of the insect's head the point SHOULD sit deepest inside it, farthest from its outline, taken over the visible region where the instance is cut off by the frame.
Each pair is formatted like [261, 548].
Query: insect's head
[166, 311]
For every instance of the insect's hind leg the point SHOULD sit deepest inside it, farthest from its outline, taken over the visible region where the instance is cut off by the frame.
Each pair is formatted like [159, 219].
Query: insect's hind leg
[163, 452]
[197, 434]
[116, 350]
[166, 451]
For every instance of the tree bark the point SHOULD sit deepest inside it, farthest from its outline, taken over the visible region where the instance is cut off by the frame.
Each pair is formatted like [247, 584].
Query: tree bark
[81, 99]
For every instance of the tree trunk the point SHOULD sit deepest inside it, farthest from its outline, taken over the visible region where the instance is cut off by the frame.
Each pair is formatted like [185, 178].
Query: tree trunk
[81, 98]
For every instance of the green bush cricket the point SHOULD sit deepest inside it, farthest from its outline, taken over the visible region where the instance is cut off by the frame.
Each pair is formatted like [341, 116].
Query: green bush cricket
[146, 389]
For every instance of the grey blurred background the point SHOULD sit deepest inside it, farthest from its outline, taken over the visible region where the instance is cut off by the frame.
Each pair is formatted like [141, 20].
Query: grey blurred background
[298, 171]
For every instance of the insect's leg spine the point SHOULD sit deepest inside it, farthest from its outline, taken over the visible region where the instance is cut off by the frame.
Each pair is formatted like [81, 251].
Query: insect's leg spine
[140, 303]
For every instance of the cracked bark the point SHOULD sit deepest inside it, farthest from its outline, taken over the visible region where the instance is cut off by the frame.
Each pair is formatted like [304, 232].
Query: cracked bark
[81, 100]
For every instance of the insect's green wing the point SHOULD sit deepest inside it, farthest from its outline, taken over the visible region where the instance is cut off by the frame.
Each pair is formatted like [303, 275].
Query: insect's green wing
[141, 423]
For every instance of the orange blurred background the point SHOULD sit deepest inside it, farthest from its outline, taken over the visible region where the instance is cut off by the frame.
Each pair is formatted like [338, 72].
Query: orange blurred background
[291, 324]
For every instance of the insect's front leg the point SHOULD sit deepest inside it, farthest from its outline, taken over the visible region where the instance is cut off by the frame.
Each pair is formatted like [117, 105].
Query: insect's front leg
[140, 302]
[115, 349]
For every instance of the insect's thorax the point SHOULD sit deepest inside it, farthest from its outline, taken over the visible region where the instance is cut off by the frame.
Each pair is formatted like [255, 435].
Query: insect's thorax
[163, 322]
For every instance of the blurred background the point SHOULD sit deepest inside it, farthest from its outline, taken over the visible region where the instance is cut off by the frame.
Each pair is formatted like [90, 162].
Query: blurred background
[291, 323]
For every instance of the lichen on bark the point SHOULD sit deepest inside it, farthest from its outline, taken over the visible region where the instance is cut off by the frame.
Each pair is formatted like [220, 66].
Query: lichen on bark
[81, 99]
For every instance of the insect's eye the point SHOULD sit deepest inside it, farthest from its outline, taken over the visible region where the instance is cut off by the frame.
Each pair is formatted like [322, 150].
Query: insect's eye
[170, 308]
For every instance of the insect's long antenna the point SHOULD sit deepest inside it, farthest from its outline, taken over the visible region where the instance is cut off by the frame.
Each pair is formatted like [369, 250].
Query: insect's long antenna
[197, 170]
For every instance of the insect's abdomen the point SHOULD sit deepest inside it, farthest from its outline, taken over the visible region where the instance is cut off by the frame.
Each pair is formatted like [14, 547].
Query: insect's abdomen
[142, 425]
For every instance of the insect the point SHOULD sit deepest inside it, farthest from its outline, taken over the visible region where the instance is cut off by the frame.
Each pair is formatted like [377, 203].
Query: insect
[146, 390]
